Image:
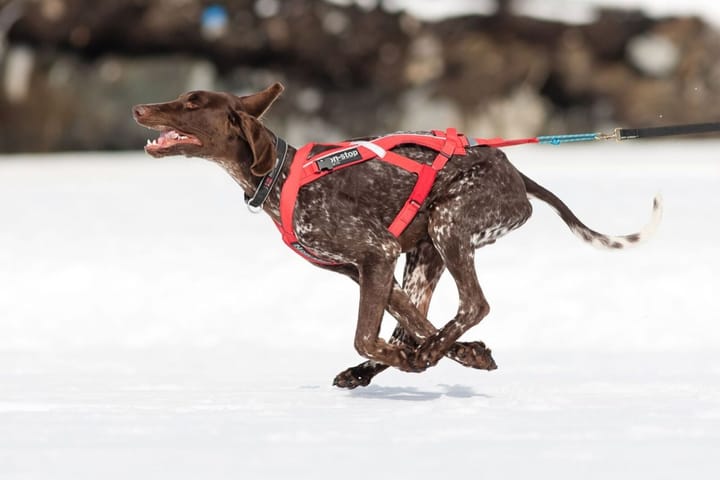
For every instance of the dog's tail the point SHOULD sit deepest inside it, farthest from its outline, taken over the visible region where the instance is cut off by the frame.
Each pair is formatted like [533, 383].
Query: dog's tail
[596, 239]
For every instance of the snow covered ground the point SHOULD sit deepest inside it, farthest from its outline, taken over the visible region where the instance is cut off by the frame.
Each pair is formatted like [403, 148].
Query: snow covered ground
[150, 327]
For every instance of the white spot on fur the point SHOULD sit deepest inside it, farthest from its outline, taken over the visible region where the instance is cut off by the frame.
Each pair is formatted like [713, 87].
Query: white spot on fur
[415, 286]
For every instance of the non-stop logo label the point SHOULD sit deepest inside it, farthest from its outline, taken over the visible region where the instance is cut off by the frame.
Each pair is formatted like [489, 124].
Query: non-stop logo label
[340, 158]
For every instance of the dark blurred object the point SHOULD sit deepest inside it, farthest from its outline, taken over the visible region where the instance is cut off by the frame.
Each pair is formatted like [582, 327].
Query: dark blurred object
[319, 40]
[72, 68]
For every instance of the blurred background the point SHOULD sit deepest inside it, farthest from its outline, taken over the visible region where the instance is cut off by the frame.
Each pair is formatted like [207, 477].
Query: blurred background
[71, 69]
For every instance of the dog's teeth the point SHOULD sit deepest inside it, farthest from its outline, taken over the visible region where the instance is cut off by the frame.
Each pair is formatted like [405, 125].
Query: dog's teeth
[149, 142]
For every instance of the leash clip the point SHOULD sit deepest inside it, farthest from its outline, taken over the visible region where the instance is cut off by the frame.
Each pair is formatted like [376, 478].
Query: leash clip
[609, 136]
[249, 203]
[254, 209]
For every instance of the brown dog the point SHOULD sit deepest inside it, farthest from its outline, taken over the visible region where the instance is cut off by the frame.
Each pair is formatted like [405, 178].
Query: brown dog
[343, 218]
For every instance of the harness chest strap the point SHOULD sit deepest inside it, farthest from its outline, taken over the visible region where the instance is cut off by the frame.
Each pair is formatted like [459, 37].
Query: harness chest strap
[288, 197]
[304, 170]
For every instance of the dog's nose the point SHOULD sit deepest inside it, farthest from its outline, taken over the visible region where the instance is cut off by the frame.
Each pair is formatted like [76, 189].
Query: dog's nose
[140, 111]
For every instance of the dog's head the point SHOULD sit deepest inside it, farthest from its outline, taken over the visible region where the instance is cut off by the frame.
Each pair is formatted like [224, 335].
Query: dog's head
[212, 125]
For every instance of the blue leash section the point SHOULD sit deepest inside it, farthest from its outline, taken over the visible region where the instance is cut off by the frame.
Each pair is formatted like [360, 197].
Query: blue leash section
[558, 139]
[617, 134]
[632, 133]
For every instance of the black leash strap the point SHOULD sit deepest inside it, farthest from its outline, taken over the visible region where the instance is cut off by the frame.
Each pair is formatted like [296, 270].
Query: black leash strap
[650, 132]
[256, 202]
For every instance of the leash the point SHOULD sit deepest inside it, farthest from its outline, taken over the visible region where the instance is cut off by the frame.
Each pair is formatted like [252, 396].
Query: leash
[617, 134]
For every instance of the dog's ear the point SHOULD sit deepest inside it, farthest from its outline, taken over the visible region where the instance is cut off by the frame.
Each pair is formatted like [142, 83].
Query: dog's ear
[258, 103]
[261, 145]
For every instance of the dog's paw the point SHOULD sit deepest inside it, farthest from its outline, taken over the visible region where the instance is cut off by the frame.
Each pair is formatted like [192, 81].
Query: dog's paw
[354, 377]
[473, 355]
[421, 359]
[405, 358]
[429, 353]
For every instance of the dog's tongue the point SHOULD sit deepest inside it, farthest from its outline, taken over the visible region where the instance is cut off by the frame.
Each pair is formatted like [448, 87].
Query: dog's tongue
[171, 137]
[168, 136]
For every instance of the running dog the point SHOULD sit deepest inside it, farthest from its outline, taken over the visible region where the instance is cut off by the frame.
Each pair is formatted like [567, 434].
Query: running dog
[340, 220]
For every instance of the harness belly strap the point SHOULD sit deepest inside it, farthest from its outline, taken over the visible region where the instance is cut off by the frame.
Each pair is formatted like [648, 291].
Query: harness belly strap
[305, 169]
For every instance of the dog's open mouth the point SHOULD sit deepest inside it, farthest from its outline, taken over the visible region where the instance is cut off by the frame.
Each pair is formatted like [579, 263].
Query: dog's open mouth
[170, 138]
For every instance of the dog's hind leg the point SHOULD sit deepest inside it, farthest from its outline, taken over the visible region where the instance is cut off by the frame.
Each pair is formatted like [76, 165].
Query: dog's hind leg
[458, 254]
[423, 269]
[484, 203]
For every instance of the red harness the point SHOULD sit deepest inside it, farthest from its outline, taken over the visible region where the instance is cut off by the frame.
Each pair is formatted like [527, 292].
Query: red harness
[305, 169]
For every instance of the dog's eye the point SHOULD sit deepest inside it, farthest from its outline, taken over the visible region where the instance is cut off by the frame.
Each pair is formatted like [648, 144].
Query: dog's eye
[233, 117]
[191, 102]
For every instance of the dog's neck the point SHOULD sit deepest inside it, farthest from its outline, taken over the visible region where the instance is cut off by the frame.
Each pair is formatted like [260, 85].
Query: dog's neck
[238, 167]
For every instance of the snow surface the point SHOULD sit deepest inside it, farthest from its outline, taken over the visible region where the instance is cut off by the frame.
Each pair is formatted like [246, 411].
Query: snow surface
[150, 327]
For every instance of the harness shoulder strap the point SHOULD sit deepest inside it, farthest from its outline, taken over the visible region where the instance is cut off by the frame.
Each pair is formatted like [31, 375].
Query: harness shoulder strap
[425, 182]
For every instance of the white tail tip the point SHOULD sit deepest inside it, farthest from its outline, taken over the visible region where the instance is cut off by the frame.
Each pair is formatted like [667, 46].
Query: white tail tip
[610, 242]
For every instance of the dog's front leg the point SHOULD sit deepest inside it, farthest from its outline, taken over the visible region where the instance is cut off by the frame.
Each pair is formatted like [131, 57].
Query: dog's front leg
[376, 283]
[362, 374]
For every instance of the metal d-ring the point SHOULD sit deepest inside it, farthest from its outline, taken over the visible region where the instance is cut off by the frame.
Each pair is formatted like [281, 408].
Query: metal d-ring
[254, 209]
